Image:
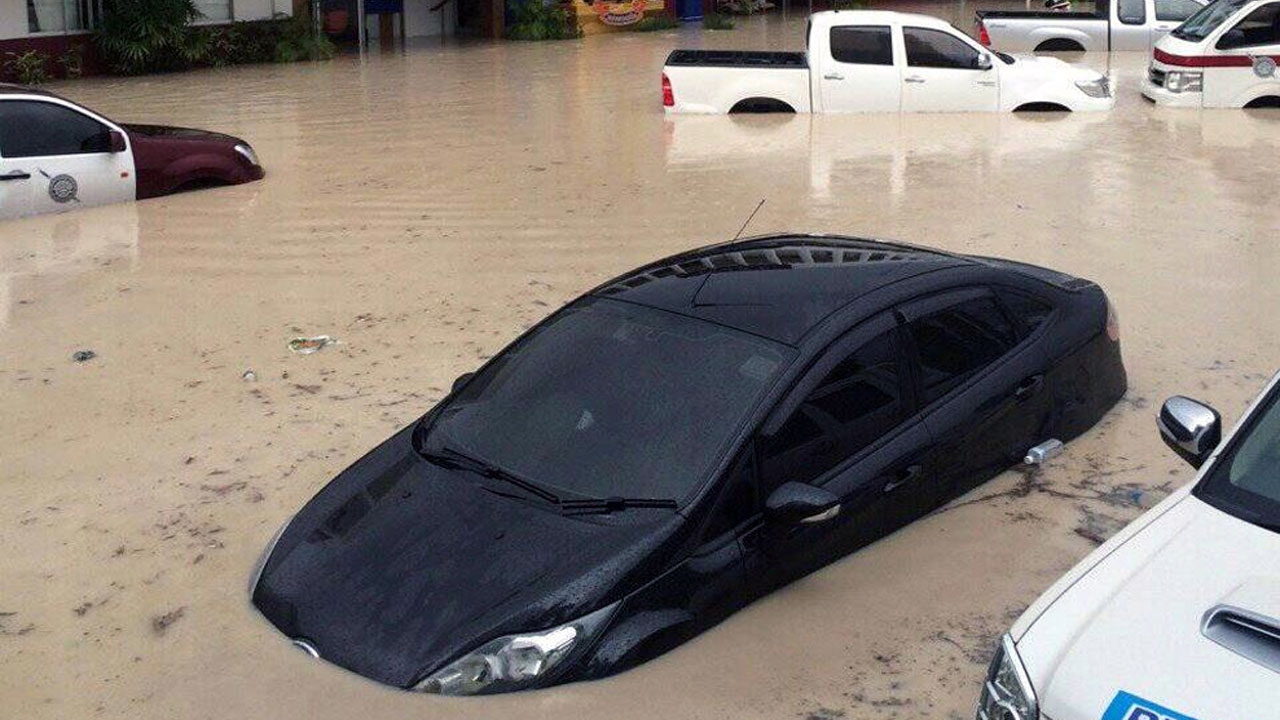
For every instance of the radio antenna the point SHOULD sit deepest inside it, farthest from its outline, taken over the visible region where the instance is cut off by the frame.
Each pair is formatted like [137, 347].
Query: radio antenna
[748, 222]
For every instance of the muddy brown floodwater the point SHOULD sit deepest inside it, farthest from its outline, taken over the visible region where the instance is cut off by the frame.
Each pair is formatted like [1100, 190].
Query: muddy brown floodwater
[425, 208]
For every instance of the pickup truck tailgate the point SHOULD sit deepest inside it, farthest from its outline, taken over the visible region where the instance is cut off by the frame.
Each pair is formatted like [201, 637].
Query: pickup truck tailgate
[720, 81]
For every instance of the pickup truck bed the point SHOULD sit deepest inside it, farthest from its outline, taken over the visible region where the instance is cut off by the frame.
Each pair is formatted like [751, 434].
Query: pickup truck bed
[737, 58]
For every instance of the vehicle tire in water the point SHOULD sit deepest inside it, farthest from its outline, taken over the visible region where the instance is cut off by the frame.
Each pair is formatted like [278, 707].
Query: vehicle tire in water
[1059, 45]
[761, 105]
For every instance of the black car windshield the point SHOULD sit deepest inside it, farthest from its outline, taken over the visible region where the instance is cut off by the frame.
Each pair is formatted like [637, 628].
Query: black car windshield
[1246, 480]
[611, 399]
[1206, 19]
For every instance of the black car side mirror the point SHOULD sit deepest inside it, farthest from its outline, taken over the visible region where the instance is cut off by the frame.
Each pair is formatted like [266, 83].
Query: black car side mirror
[797, 503]
[115, 142]
[1190, 428]
[461, 381]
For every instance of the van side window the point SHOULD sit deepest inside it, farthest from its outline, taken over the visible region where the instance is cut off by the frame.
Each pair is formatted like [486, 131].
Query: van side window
[934, 48]
[1175, 10]
[871, 45]
[958, 341]
[30, 128]
[1260, 27]
[1029, 310]
[856, 403]
[1132, 12]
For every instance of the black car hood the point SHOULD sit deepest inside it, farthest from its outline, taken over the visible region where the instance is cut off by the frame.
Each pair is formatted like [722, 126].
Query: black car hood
[166, 132]
[399, 566]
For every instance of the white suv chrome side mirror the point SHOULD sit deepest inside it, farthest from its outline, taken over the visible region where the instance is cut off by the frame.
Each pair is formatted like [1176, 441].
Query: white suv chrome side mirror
[1190, 428]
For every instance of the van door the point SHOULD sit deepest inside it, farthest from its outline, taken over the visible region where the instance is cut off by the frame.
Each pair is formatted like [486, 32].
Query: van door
[858, 74]
[15, 196]
[66, 153]
[942, 74]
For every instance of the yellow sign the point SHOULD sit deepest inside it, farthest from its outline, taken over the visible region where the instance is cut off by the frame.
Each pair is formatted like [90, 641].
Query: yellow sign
[603, 15]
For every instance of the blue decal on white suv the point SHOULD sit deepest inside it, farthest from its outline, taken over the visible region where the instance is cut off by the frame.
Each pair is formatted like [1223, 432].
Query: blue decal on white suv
[1132, 707]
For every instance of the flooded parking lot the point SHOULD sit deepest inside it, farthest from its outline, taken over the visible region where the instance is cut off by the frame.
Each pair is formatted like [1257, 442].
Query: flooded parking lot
[424, 208]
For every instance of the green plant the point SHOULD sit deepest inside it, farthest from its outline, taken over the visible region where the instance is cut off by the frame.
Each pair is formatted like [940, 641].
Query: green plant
[536, 20]
[660, 21]
[71, 63]
[717, 21]
[300, 41]
[138, 36]
[30, 67]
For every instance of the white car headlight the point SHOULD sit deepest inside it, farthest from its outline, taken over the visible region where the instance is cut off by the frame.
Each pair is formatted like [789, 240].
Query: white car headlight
[1099, 88]
[513, 662]
[1179, 82]
[247, 153]
[1008, 694]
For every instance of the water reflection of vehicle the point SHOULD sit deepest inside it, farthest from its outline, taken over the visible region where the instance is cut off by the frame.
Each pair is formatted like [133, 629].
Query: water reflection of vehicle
[1222, 57]
[820, 147]
[56, 155]
[877, 61]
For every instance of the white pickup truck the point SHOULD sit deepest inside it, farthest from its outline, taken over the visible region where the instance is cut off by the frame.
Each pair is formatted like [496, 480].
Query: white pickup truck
[1119, 25]
[877, 61]
[1224, 56]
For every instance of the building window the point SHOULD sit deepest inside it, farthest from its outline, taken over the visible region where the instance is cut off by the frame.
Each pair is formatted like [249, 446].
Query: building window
[47, 16]
[214, 10]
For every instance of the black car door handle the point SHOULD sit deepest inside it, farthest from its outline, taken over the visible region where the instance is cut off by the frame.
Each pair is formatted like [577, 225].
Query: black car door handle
[1029, 387]
[907, 475]
[19, 175]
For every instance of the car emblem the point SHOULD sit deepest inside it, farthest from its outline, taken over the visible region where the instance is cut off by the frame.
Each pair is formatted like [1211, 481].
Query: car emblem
[62, 188]
[306, 647]
[1264, 66]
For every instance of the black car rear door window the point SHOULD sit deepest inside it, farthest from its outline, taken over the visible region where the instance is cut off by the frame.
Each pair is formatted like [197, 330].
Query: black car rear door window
[1026, 309]
[854, 404]
[869, 45]
[957, 341]
[32, 128]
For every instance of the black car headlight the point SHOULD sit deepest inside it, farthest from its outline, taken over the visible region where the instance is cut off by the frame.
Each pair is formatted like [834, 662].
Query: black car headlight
[514, 662]
[1008, 694]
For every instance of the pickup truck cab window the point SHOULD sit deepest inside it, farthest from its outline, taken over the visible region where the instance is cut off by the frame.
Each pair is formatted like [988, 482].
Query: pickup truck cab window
[870, 45]
[1131, 12]
[937, 49]
[1260, 27]
[1175, 10]
[30, 128]
[855, 403]
[957, 341]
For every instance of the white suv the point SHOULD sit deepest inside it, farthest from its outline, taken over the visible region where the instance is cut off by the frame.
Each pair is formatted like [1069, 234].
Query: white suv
[1177, 617]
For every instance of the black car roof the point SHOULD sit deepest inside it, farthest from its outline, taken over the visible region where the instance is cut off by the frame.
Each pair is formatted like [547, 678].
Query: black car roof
[776, 286]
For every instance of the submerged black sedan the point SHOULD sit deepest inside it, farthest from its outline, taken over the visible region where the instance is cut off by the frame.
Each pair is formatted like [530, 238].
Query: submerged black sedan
[676, 443]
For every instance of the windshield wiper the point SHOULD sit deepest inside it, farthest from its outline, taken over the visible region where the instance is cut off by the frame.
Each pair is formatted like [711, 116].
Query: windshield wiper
[613, 504]
[450, 458]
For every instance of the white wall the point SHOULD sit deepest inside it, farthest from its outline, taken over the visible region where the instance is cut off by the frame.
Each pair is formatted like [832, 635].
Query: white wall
[419, 21]
[13, 19]
[260, 9]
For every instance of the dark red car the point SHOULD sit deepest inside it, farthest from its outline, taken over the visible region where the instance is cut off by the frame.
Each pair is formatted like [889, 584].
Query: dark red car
[56, 155]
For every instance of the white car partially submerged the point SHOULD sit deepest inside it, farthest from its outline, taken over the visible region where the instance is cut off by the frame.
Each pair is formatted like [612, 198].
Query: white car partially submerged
[1224, 56]
[1177, 617]
[878, 61]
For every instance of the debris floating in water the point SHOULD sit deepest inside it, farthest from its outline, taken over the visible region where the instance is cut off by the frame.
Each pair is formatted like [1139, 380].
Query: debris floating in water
[249, 376]
[83, 355]
[1041, 453]
[308, 345]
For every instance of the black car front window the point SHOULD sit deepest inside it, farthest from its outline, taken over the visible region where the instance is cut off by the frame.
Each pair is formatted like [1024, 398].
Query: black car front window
[1204, 21]
[612, 399]
[1246, 480]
